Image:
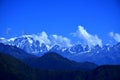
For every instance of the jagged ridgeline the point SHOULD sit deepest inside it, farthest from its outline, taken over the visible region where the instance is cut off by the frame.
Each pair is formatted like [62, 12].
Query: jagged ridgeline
[12, 68]
[35, 45]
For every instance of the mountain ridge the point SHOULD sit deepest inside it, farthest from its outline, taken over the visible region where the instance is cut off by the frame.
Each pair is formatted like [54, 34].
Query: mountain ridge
[50, 60]
[107, 54]
[54, 61]
[13, 69]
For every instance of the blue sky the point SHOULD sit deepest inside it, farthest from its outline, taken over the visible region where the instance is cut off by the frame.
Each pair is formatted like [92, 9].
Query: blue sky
[61, 17]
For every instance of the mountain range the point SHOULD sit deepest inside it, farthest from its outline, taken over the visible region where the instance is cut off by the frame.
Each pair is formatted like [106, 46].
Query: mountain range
[52, 67]
[50, 60]
[106, 54]
[54, 61]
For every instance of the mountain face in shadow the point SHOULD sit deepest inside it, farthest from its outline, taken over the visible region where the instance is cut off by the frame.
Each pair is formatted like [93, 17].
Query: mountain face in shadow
[15, 52]
[50, 60]
[54, 61]
[13, 69]
[106, 72]
[50, 66]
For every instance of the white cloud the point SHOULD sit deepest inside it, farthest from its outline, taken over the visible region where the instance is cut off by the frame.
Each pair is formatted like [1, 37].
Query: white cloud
[52, 40]
[87, 38]
[43, 38]
[115, 36]
[60, 40]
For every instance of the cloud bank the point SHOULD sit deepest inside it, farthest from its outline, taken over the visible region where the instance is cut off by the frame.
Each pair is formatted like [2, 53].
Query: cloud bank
[63, 41]
[115, 36]
[52, 40]
[42, 37]
[84, 38]
[89, 39]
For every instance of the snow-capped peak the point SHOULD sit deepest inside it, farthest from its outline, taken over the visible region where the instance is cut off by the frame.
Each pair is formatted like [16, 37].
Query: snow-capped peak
[12, 39]
[40, 43]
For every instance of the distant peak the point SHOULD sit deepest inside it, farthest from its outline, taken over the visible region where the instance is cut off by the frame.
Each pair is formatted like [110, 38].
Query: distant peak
[51, 54]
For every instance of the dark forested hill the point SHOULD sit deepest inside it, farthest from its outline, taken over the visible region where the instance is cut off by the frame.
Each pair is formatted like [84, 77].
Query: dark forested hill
[50, 66]
[13, 69]
[106, 72]
[54, 61]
